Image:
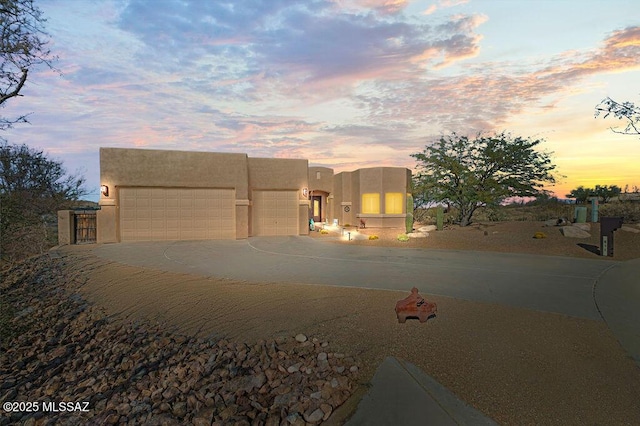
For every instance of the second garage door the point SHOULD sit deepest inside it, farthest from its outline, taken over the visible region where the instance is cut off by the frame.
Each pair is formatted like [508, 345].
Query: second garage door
[275, 213]
[177, 214]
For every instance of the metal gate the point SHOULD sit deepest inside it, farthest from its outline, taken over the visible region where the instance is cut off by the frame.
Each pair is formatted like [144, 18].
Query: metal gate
[85, 226]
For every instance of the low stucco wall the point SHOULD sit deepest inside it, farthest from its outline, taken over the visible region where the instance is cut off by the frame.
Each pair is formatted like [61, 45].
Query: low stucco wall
[65, 227]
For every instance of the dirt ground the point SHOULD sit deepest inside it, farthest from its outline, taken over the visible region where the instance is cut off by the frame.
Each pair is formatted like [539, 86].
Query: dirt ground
[509, 237]
[517, 366]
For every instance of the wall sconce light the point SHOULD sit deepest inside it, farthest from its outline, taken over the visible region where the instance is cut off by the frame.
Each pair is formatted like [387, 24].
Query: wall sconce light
[305, 192]
[104, 190]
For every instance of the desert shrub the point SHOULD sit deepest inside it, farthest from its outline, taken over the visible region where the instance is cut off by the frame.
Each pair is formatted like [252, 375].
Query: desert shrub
[629, 211]
[495, 214]
[373, 237]
[539, 235]
[403, 238]
[324, 231]
[422, 215]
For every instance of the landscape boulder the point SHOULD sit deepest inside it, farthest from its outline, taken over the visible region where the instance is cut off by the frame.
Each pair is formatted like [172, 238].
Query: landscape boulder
[574, 232]
[561, 221]
[584, 226]
[630, 229]
[427, 228]
[417, 235]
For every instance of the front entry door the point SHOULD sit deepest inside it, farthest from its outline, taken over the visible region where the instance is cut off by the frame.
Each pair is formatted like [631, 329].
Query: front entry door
[316, 206]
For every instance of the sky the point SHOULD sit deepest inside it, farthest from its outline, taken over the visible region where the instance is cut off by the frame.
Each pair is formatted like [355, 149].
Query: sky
[343, 83]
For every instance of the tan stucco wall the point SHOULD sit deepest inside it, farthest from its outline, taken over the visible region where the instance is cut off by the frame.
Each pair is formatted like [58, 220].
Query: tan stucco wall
[121, 167]
[325, 183]
[278, 174]
[321, 183]
[349, 187]
[107, 224]
[65, 227]
[281, 174]
[186, 169]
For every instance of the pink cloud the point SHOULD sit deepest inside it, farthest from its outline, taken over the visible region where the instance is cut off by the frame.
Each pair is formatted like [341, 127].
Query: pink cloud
[443, 4]
[387, 7]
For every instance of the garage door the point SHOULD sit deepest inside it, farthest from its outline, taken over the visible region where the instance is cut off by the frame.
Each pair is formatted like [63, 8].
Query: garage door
[177, 214]
[275, 213]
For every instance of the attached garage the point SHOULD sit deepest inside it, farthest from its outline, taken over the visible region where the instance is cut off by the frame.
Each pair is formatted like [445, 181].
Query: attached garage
[275, 213]
[177, 214]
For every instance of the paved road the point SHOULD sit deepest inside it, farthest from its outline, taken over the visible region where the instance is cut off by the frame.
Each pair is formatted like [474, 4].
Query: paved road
[544, 283]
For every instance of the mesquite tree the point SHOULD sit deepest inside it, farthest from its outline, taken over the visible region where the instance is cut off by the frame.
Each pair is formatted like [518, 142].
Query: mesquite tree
[471, 173]
[23, 46]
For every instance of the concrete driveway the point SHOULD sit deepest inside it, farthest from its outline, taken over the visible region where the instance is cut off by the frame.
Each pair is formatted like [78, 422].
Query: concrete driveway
[544, 283]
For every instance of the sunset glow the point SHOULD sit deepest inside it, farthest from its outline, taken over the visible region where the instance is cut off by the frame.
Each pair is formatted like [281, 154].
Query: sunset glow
[343, 83]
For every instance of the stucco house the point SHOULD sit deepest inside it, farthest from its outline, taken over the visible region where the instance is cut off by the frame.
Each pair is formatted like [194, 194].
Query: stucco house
[178, 195]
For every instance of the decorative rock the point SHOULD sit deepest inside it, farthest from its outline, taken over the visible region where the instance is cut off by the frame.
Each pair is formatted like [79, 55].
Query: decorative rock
[294, 368]
[584, 226]
[418, 234]
[574, 232]
[142, 374]
[327, 410]
[630, 229]
[427, 228]
[179, 409]
[556, 222]
[315, 416]
[203, 418]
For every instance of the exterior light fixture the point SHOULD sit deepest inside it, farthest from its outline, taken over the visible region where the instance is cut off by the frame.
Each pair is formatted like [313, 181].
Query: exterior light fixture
[305, 192]
[104, 190]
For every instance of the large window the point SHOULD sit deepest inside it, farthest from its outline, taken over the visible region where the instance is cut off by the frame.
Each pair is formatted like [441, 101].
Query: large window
[371, 203]
[393, 202]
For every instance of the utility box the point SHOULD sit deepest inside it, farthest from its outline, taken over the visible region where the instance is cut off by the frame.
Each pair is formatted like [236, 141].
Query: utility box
[580, 215]
[607, 226]
[594, 210]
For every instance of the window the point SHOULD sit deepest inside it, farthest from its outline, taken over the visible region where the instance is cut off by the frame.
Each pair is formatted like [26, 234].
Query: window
[393, 202]
[371, 203]
[318, 175]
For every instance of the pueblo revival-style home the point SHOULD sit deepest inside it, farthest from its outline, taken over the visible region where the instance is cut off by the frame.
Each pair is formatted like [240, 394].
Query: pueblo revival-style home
[178, 195]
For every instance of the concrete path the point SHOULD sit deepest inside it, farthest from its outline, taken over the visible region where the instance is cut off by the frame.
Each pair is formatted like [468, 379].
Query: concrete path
[544, 283]
[402, 394]
[617, 295]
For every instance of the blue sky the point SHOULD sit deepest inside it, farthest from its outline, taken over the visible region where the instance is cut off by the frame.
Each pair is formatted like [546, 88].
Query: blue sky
[343, 83]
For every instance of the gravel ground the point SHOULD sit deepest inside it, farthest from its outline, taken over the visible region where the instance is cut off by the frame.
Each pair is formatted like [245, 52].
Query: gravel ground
[517, 366]
[65, 361]
[508, 237]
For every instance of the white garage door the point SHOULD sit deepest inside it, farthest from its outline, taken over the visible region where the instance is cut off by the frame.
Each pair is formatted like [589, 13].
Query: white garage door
[275, 213]
[177, 214]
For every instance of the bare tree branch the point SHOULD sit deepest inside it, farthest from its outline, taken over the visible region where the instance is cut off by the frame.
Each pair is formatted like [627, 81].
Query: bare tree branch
[23, 47]
[622, 111]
